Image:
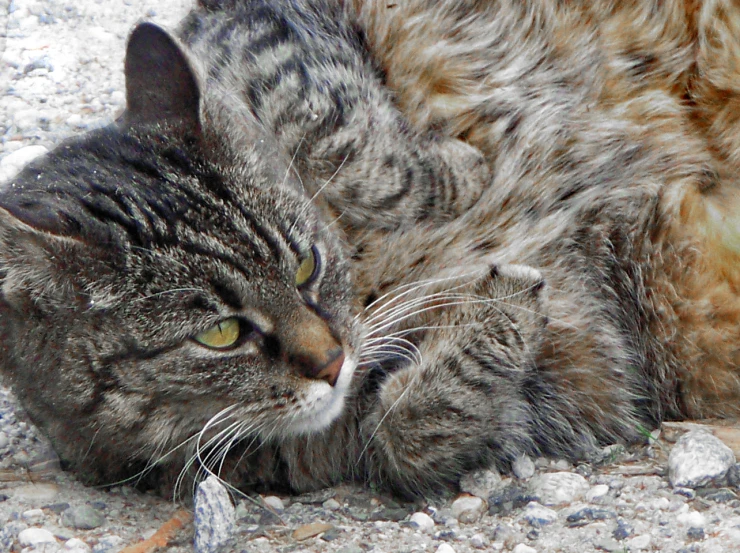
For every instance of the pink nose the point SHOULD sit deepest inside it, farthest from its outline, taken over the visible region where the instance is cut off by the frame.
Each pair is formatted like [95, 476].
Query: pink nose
[330, 371]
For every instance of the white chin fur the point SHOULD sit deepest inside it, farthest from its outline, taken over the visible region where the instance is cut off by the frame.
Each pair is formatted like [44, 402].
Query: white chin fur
[322, 403]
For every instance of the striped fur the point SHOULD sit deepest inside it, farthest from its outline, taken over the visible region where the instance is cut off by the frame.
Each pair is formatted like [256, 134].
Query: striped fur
[524, 217]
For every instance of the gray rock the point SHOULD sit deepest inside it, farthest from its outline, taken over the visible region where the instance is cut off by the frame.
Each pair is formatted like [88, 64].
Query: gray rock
[215, 516]
[587, 515]
[537, 515]
[75, 545]
[274, 502]
[480, 483]
[505, 500]
[558, 488]
[468, 508]
[108, 544]
[697, 459]
[422, 521]
[82, 517]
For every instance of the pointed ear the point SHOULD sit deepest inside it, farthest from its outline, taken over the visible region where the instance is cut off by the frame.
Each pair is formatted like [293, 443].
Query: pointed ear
[35, 265]
[162, 84]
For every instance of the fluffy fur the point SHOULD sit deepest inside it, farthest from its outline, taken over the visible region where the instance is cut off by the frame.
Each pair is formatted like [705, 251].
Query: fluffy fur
[525, 218]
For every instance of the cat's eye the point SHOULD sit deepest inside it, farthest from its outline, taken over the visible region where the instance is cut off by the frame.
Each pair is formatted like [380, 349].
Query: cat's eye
[308, 268]
[222, 335]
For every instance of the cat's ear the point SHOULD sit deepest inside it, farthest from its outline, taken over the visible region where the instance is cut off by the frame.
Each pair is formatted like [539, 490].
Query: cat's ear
[36, 266]
[162, 83]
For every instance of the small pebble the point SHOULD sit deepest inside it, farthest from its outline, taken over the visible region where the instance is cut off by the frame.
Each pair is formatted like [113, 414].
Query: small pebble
[108, 544]
[537, 515]
[468, 508]
[423, 521]
[597, 492]
[82, 517]
[274, 502]
[691, 518]
[480, 483]
[75, 545]
[639, 542]
[587, 515]
[523, 467]
[697, 459]
[445, 548]
[32, 514]
[695, 534]
[686, 492]
[331, 534]
[623, 530]
[479, 541]
[608, 544]
[505, 500]
[522, 548]
[558, 488]
[214, 517]
[331, 504]
[36, 537]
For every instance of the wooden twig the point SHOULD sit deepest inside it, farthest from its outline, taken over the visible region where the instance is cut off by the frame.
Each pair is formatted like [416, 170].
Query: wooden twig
[163, 536]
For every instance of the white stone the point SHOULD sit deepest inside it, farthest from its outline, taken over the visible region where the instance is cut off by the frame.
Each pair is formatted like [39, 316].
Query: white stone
[32, 514]
[639, 542]
[4, 441]
[523, 467]
[445, 548]
[662, 504]
[481, 483]
[331, 504]
[522, 548]
[537, 515]
[468, 508]
[214, 518]
[108, 544]
[597, 492]
[561, 464]
[697, 459]
[479, 541]
[274, 502]
[423, 521]
[692, 519]
[558, 488]
[36, 536]
[75, 545]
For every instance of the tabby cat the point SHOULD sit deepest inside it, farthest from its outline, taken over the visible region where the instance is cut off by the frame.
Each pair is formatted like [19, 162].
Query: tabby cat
[387, 241]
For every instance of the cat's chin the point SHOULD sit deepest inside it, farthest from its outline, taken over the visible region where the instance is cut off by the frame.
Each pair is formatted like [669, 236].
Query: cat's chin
[323, 403]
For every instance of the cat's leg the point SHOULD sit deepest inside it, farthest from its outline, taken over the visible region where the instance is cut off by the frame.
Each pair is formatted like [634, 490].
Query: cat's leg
[462, 405]
[383, 174]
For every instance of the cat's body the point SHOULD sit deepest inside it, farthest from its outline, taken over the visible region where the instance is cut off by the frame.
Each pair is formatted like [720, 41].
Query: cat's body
[409, 307]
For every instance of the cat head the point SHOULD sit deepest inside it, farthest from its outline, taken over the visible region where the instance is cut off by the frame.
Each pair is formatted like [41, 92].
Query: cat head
[155, 279]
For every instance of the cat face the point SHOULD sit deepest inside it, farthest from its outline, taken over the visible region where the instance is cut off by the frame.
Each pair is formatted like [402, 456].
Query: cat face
[154, 286]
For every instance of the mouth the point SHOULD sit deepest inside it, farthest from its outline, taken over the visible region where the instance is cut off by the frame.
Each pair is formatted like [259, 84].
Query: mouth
[322, 402]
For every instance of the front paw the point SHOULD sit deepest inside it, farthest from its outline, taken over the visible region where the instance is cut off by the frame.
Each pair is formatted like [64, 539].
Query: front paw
[436, 421]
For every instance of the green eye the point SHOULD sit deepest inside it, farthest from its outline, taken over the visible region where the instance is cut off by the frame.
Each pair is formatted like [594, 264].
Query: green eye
[308, 268]
[220, 336]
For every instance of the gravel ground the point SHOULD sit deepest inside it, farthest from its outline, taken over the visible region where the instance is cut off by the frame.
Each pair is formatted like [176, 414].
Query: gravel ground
[62, 74]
